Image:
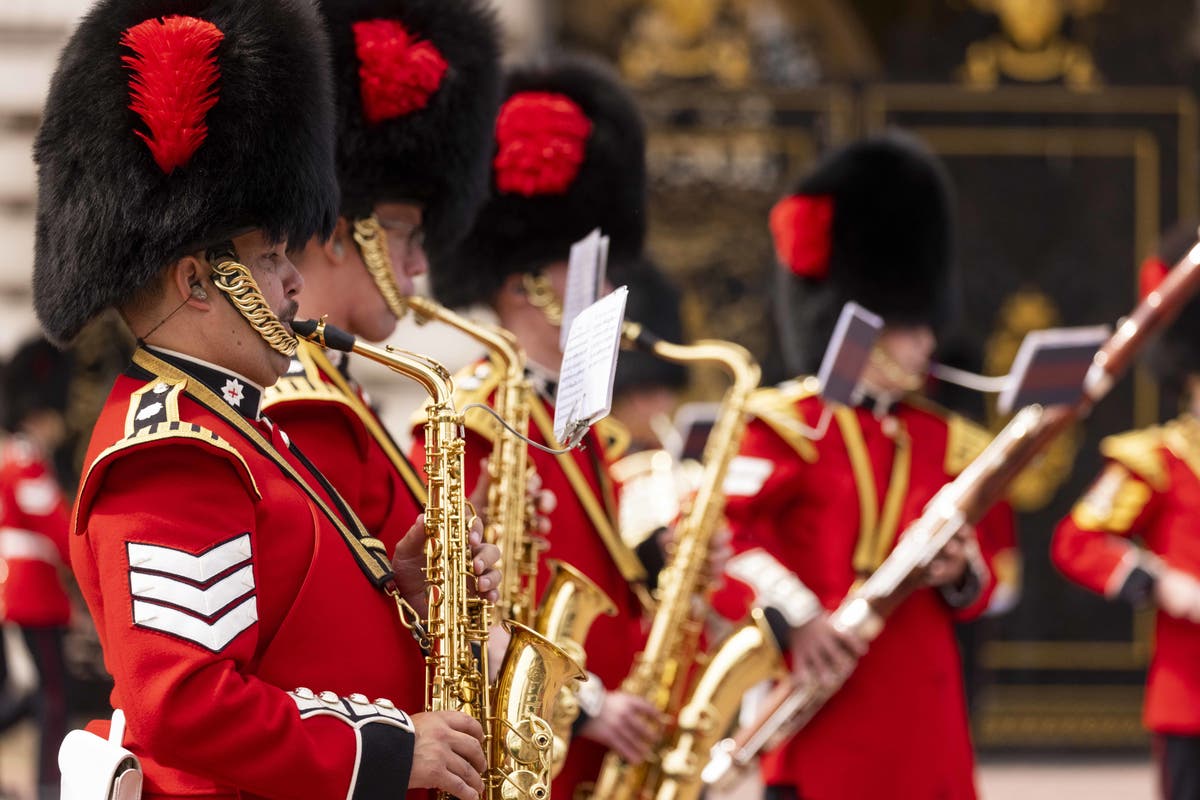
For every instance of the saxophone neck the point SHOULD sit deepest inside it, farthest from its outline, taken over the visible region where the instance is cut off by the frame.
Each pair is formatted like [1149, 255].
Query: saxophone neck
[500, 343]
[429, 373]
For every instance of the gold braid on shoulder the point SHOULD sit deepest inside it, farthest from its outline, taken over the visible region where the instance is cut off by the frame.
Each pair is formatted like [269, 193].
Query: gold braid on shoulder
[373, 246]
[235, 280]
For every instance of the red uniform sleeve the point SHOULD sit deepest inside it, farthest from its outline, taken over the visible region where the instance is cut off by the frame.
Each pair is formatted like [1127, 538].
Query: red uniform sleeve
[1092, 545]
[41, 507]
[759, 488]
[174, 578]
[995, 541]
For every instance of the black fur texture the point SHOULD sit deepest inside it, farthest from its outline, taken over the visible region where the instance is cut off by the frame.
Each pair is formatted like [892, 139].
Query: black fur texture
[109, 219]
[515, 234]
[654, 303]
[892, 248]
[439, 155]
[38, 378]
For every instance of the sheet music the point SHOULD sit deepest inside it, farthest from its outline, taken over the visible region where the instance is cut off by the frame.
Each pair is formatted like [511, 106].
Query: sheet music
[589, 366]
[1050, 367]
[585, 276]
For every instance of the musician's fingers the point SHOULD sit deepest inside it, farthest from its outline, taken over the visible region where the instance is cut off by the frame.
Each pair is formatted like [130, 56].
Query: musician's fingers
[486, 556]
[461, 779]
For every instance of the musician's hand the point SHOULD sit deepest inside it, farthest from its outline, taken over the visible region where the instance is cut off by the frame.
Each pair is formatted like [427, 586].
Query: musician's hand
[497, 646]
[720, 550]
[1178, 594]
[822, 653]
[408, 566]
[949, 566]
[484, 558]
[627, 725]
[448, 754]
[542, 503]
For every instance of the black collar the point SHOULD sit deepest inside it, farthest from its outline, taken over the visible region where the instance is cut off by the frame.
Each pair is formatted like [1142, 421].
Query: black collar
[241, 393]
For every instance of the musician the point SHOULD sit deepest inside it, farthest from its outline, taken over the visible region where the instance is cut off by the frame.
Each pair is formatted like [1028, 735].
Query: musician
[646, 389]
[416, 87]
[813, 516]
[1130, 537]
[34, 516]
[246, 616]
[568, 157]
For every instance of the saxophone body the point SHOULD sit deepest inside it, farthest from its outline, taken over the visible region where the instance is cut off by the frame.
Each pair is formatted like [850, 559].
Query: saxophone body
[512, 713]
[662, 670]
[571, 601]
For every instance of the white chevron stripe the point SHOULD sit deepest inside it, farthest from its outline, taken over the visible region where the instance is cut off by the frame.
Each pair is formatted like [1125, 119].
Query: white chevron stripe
[214, 635]
[204, 602]
[198, 568]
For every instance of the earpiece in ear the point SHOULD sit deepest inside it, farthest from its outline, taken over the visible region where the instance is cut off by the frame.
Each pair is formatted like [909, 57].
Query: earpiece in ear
[198, 292]
[338, 248]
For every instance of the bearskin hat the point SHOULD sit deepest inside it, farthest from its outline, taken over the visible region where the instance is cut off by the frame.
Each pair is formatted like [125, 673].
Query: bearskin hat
[654, 303]
[417, 85]
[873, 223]
[1176, 352]
[37, 378]
[568, 156]
[172, 125]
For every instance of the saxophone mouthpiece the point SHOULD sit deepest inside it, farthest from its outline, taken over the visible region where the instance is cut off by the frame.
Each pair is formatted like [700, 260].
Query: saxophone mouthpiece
[324, 334]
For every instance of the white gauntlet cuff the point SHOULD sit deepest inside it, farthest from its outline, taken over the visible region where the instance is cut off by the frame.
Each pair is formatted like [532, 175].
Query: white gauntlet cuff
[775, 586]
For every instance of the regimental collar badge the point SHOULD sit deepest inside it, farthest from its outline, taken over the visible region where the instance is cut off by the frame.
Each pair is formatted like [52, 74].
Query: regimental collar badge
[233, 391]
[243, 395]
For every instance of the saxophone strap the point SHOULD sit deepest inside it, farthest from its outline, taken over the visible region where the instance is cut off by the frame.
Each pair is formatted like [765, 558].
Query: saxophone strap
[602, 516]
[369, 420]
[368, 551]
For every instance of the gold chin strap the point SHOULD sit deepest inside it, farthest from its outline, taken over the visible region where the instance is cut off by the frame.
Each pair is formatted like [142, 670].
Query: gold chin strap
[541, 295]
[903, 379]
[373, 247]
[238, 284]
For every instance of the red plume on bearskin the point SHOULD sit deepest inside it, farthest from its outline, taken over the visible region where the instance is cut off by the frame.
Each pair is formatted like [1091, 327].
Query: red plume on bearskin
[1153, 272]
[800, 228]
[398, 73]
[173, 85]
[541, 140]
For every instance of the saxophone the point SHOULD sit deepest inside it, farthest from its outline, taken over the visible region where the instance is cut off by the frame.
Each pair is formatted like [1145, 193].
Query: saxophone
[571, 601]
[513, 714]
[660, 672]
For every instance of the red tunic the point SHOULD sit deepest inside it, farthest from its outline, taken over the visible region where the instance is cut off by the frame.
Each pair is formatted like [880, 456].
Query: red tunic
[575, 539]
[327, 416]
[1145, 501]
[34, 518]
[830, 510]
[225, 595]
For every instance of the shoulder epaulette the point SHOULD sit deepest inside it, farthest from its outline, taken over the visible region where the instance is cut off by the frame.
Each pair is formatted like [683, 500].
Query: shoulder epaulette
[965, 440]
[153, 420]
[776, 406]
[1140, 452]
[614, 437]
[302, 381]
[474, 383]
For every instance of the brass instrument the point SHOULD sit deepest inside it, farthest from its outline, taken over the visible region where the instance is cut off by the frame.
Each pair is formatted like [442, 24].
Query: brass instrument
[960, 503]
[513, 714]
[508, 516]
[571, 601]
[660, 672]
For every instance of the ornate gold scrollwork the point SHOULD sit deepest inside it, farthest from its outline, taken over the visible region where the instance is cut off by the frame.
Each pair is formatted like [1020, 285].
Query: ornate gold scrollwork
[1032, 48]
